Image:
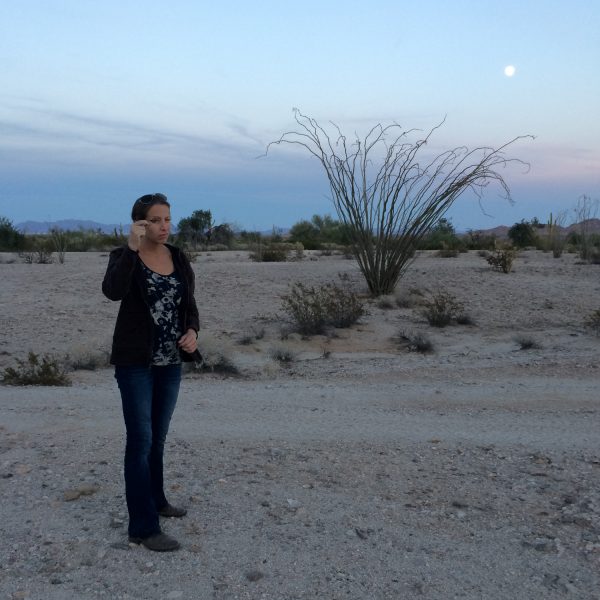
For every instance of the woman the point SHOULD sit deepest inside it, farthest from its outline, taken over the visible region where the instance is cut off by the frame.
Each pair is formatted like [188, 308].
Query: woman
[157, 327]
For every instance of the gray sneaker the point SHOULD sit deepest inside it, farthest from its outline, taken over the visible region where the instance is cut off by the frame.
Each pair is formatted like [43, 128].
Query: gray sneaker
[159, 542]
[170, 511]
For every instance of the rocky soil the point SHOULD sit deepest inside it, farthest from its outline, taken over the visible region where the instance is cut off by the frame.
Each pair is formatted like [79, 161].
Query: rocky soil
[359, 470]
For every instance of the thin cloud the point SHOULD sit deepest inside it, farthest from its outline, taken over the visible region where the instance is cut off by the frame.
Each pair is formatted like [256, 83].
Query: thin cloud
[65, 127]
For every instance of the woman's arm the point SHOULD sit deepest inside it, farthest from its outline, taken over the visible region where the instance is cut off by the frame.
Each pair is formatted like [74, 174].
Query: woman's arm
[119, 273]
[193, 318]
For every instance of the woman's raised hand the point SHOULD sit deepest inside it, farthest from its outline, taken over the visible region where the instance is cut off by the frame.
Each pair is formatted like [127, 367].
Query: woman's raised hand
[136, 233]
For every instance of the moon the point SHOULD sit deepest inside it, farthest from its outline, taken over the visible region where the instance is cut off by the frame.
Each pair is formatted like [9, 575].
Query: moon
[509, 70]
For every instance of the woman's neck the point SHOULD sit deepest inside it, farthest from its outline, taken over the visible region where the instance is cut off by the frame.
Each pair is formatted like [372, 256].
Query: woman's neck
[150, 248]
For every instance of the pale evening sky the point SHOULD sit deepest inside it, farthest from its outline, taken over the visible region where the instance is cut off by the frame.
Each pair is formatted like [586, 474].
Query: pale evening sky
[102, 102]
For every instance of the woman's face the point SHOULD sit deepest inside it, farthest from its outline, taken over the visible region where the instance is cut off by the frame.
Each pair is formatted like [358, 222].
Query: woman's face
[159, 223]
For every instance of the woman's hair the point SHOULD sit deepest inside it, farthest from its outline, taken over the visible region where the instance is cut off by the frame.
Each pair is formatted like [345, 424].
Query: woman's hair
[142, 205]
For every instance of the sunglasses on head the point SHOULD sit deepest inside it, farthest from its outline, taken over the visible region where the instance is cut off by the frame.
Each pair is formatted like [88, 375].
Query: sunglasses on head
[149, 198]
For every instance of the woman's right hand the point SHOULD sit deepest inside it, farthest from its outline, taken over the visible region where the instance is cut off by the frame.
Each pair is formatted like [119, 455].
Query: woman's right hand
[136, 233]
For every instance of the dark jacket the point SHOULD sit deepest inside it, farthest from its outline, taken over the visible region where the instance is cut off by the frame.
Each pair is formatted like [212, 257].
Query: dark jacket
[133, 336]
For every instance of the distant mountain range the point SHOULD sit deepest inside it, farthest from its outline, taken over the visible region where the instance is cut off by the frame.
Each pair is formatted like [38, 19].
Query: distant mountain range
[593, 226]
[66, 225]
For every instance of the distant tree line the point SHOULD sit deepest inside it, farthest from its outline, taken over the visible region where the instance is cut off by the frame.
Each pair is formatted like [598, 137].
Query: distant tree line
[321, 232]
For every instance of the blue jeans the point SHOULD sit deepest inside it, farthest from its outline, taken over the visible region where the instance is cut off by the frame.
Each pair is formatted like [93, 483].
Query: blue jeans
[148, 396]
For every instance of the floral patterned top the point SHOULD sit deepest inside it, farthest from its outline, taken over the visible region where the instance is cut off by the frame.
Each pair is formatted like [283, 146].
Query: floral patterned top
[164, 297]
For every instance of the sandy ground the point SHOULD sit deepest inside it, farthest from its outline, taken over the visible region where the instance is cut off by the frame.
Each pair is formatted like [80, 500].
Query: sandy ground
[359, 471]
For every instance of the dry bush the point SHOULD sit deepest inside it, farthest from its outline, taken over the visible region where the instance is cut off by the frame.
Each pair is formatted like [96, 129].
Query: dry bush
[448, 251]
[88, 360]
[465, 319]
[527, 343]
[314, 309]
[414, 342]
[592, 322]
[275, 251]
[409, 299]
[190, 254]
[216, 356]
[59, 240]
[251, 336]
[36, 371]
[40, 256]
[282, 354]
[502, 259]
[441, 308]
[385, 302]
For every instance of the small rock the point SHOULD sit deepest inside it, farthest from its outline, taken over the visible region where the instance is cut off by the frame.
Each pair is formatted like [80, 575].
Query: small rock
[122, 546]
[82, 490]
[293, 504]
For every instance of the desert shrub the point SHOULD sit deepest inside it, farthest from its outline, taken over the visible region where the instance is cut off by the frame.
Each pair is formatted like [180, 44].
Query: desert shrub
[10, 238]
[442, 237]
[270, 251]
[314, 309]
[527, 343]
[251, 336]
[216, 356]
[39, 256]
[414, 342]
[190, 254]
[447, 252]
[409, 298]
[36, 371]
[88, 361]
[555, 237]
[475, 240]
[441, 308]
[319, 232]
[385, 303]
[593, 256]
[522, 234]
[465, 319]
[502, 259]
[282, 354]
[592, 322]
[60, 242]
